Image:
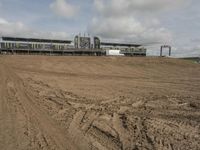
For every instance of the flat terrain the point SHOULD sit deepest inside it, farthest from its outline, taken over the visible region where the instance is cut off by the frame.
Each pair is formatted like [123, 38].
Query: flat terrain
[99, 103]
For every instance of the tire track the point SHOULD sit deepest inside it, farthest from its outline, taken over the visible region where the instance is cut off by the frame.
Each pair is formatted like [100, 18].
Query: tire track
[44, 123]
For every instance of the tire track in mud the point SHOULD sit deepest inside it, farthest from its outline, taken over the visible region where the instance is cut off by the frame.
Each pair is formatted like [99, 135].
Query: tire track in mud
[112, 135]
[84, 124]
[48, 130]
[7, 118]
[122, 129]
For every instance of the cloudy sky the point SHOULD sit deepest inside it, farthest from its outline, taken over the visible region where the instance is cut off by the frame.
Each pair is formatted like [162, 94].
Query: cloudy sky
[150, 22]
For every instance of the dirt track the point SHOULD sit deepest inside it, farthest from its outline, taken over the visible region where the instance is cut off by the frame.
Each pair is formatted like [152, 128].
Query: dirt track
[99, 103]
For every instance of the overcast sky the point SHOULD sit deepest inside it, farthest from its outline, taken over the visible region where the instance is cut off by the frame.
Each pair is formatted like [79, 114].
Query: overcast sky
[150, 22]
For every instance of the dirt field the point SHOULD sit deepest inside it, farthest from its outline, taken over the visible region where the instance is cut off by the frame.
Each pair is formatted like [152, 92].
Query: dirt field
[99, 103]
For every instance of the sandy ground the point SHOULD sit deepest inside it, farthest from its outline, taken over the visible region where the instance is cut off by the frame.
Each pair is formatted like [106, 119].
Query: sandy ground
[99, 103]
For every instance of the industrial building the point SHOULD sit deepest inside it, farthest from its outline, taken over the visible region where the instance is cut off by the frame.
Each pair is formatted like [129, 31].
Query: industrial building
[123, 49]
[81, 46]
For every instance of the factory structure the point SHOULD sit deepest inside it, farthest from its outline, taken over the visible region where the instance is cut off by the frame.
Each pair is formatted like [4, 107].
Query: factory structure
[81, 45]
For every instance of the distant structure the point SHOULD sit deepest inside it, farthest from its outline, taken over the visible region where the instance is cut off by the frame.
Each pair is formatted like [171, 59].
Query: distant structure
[31, 43]
[97, 43]
[85, 42]
[163, 47]
[83, 45]
[124, 49]
[82, 42]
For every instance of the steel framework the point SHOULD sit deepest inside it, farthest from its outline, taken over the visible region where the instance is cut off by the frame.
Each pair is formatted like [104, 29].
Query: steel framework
[165, 46]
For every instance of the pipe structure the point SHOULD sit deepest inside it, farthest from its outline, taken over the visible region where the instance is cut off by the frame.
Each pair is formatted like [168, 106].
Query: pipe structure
[165, 46]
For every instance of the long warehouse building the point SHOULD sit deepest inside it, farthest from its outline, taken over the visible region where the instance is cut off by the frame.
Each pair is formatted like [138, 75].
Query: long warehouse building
[80, 46]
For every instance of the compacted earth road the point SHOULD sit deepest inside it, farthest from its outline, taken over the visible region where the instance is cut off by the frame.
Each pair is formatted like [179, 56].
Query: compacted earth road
[100, 103]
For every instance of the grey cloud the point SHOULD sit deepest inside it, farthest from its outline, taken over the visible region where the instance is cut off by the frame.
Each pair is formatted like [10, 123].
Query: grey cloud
[130, 7]
[116, 19]
[18, 29]
[64, 9]
[128, 29]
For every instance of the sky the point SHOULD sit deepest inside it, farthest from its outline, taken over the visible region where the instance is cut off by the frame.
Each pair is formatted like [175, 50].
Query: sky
[149, 22]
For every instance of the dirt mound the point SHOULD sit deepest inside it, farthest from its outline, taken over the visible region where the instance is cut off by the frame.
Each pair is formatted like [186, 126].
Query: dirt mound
[99, 103]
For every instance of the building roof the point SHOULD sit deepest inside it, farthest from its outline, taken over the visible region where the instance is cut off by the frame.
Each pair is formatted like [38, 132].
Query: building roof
[120, 44]
[35, 40]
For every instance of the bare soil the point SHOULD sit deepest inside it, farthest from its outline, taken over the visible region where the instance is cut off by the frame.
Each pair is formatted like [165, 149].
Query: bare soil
[100, 103]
